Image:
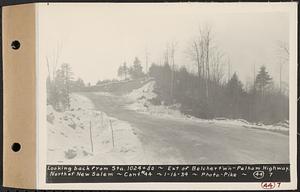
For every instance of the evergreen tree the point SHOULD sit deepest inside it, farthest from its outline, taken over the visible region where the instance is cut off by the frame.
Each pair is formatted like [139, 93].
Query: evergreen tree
[136, 70]
[80, 82]
[66, 89]
[58, 90]
[77, 85]
[234, 85]
[120, 71]
[52, 93]
[123, 71]
[181, 90]
[60, 95]
[263, 81]
[235, 94]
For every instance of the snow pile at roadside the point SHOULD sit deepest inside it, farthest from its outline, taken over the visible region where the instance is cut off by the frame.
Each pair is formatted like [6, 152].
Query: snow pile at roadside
[143, 93]
[280, 127]
[283, 126]
[140, 102]
[70, 133]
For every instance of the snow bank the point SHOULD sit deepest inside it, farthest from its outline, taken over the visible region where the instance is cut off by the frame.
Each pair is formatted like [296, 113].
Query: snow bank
[282, 127]
[143, 93]
[70, 133]
[139, 101]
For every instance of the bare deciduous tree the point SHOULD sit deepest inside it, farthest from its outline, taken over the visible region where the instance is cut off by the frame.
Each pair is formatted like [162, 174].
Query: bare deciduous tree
[283, 57]
[172, 59]
[217, 63]
[283, 49]
[53, 60]
[208, 59]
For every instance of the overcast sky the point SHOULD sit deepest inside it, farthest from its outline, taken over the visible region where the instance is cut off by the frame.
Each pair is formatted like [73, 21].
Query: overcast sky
[95, 39]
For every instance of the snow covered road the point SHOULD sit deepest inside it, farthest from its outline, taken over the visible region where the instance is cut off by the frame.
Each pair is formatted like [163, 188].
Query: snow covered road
[171, 141]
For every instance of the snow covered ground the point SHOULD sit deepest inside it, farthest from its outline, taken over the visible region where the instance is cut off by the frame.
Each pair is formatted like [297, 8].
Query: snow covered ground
[139, 99]
[83, 135]
[282, 127]
[104, 94]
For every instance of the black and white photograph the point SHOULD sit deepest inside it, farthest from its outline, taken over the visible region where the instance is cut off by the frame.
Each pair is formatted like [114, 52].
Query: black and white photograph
[168, 84]
[150, 96]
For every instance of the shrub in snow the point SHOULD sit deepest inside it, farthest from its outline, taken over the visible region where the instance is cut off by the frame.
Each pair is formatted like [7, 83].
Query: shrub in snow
[175, 106]
[85, 153]
[155, 101]
[243, 120]
[70, 154]
[50, 118]
[142, 97]
[284, 124]
[73, 125]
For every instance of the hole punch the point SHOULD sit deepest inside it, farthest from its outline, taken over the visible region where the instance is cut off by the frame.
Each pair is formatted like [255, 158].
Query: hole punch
[16, 147]
[15, 45]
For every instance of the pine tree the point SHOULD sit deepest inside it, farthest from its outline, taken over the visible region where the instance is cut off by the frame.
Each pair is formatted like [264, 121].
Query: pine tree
[59, 87]
[123, 71]
[235, 85]
[262, 81]
[120, 71]
[80, 82]
[77, 85]
[67, 75]
[136, 71]
[52, 93]
[235, 94]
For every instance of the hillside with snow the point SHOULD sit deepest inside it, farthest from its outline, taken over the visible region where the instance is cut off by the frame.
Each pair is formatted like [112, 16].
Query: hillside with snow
[85, 135]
